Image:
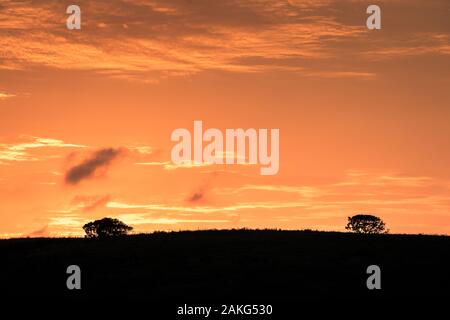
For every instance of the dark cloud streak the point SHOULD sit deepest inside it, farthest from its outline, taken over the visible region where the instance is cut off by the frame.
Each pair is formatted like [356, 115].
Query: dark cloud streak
[100, 159]
[197, 196]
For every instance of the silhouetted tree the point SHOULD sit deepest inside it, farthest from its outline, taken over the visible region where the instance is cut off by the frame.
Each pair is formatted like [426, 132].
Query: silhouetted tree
[364, 223]
[106, 227]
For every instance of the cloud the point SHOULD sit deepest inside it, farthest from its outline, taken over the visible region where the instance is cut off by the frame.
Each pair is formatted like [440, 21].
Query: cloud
[20, 151]
[144, 218]
[69, 224]
[168, 165]
[101, 159]
[4, 95]
[47, 183]
[196, 196]
[199, 195]
[207, 209]
[381, 193]
[90, 203]
[398, 198]
[143, 150]
[189, 164]
[303, 191]
[343, 74]
[421, 43]
[43, 232]
[169, 38]
[151, 40]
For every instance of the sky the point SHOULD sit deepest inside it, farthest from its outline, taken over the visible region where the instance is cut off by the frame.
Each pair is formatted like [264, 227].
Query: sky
[86, 115]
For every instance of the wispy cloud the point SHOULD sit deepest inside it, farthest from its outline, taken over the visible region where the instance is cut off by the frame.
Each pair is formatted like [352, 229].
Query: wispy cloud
[42, 232]
[67, 224]
[4, 95]
[303, 191]
[133, 39]
[150, 40]
[21, 151]
[168, 165]
[206, 209]
[89, 203]
[142, 149]
[421, 43]
[359, 190]
[145, 218]
[343, 74]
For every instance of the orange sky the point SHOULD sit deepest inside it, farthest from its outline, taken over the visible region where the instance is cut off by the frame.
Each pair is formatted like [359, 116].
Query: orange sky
[363, 115]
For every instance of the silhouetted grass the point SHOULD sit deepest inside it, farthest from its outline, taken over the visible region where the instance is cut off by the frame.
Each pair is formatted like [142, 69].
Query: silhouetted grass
[229, 264]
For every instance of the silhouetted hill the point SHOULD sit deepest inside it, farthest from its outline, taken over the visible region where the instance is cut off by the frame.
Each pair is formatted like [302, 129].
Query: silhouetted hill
[238, 265]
